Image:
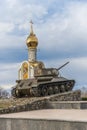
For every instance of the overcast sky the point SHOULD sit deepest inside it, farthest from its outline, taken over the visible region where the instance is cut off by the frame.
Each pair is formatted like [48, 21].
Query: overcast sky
[61, 28]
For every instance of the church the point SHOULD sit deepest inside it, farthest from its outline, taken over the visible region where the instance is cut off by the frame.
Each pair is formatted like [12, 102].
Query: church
[32, 67]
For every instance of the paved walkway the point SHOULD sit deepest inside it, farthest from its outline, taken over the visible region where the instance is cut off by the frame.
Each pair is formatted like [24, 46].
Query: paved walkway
[51, 114]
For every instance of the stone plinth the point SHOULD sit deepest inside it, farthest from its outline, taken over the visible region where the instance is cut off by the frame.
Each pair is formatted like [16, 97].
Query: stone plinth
[45, 120]
[43, 102]
[67, 104]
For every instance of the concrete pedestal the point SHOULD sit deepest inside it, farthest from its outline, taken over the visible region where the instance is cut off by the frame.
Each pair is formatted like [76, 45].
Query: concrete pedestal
[45, 120]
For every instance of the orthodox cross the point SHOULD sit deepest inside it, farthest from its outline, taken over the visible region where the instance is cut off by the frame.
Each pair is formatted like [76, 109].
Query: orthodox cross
[31, 24]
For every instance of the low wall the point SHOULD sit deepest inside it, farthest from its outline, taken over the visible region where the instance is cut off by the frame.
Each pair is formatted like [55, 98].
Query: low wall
[38, 124]
[67, 105]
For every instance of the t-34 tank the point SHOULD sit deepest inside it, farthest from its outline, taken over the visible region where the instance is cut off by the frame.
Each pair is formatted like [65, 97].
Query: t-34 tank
[47, 83]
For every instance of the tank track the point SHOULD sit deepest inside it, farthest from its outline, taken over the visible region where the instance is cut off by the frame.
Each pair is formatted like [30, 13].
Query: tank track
[45, 89]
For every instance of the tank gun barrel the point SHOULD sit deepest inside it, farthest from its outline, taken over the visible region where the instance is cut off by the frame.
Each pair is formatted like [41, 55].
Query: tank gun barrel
[63, 65]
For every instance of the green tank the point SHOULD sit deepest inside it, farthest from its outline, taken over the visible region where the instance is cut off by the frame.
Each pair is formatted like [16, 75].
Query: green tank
[49, 82]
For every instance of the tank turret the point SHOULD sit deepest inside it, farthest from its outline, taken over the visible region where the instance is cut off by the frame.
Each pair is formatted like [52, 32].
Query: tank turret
[54, 72]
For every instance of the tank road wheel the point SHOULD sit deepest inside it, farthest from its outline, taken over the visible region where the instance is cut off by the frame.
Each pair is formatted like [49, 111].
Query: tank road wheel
[44, 91]
[34, 92]
[71, 85]
[31, 92]
[68, 87]
[62, 88]
[56, 89]
[50, 90]
[17, 93]
[39, 92]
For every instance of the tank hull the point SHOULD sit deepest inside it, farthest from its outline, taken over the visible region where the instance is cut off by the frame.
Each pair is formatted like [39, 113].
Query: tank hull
[40, 87]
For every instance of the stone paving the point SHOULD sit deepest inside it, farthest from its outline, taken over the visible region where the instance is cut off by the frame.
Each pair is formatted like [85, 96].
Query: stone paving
[51, 114]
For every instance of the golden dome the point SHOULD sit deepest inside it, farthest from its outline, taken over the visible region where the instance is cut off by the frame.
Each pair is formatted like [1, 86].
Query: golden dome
[32, 40]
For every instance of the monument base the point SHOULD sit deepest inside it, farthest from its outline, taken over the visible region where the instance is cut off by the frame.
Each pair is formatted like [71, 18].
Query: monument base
[45, 120]
[67, 105]
[43, 102]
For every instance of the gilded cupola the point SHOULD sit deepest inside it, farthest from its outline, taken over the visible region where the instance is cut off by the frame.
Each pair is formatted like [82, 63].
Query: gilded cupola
[32, 40]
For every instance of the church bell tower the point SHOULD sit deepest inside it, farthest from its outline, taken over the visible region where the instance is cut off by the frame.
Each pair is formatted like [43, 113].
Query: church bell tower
[32, 43]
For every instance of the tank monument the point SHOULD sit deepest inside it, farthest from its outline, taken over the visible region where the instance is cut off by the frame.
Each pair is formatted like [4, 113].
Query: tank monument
[36, 80]
[43, 89]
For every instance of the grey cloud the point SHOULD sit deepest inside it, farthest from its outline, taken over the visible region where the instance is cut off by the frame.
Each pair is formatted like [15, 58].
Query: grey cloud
[66, 34]
[8, 73]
